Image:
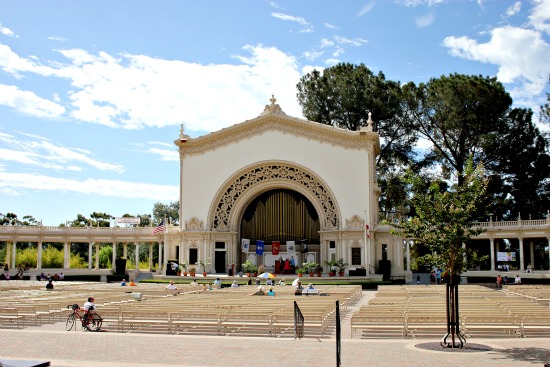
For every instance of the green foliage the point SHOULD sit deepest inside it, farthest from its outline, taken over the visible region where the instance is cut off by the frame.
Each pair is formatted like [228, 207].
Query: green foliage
[443, 218]
[52, 258]
[78, 262]
[106, 257]
[170, 212]
[27, 256]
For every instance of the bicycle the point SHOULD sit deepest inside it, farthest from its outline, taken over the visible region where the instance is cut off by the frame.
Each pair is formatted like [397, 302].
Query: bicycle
[89, 321]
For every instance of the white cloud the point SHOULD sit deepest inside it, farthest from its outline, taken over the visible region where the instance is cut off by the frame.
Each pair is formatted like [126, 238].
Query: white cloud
[290, 18]
[424, 21]
[7, 32]
[15, 182]
[356, 42]
[330, 26]
[136, 91]
[522, 57]
[40, 152]
[415, 3]
[29, 103]
[56, 38]
[513, 9]
[540, 16]
[366, 8]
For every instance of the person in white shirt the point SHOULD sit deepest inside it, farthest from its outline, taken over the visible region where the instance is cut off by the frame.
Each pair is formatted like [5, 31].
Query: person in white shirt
[217, 283]
[517, 280]
[89, 307]
[172, 287]
[234, 285]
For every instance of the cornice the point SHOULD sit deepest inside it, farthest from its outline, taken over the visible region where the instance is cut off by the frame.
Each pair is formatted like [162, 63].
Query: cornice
[338, 137]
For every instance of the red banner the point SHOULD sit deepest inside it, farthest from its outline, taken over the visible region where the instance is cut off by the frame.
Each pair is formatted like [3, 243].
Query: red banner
[275, 247]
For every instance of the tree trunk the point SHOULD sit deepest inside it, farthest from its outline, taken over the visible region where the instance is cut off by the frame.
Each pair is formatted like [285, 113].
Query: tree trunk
[453, 319]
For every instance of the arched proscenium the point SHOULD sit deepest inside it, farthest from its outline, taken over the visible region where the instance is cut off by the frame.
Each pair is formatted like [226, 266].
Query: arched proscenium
[280, 173]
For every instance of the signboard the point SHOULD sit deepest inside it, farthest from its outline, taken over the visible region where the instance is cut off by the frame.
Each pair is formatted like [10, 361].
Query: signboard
[128, 220]
[506, 256]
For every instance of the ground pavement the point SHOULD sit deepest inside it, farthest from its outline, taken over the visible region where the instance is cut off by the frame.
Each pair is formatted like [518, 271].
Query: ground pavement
[86, 349]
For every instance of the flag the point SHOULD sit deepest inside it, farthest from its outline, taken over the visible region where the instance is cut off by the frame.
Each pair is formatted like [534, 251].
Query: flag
[245, 244]
[291, 247]
[275, 247]
[367, 230]
[159, 228]
[259, 247]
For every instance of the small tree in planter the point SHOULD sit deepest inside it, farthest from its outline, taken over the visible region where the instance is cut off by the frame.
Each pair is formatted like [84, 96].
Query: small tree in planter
[203, 264]
[192, 271]
[183, 267]
[311, 267]
[248, 267]
[319, 269]
[332, 267]
[341, 266]
[301, 271]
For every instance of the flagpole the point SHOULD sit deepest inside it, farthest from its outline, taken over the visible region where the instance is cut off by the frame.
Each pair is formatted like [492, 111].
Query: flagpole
[165, 255]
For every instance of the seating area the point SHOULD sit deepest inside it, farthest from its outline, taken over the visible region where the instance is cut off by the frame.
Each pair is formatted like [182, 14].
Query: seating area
[415, 311]
[149, 308]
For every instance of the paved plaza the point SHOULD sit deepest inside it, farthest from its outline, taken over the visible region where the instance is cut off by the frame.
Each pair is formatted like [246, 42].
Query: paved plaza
[51, 342]
[86, 349]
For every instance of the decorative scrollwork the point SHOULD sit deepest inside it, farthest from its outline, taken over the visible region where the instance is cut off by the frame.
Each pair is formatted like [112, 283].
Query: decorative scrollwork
[295, 175]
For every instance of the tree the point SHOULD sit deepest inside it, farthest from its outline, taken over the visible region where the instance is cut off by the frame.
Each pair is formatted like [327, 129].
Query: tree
[170, 212]
[517, 156]
[442, 221]
[545, 109]
[456, 114]
[101, 219]
[344, 94]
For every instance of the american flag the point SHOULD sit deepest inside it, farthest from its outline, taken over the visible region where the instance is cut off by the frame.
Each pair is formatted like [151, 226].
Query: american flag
[159, 228]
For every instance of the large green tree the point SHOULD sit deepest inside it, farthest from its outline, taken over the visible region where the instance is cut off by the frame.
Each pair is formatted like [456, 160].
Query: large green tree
[443, 221]
[344, 94]
[170, 212]
[517, 157]
[456, 114]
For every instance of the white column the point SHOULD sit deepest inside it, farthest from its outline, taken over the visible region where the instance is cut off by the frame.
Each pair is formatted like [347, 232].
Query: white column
[492, 248]
[150, 257]
[408, 242]
[67, 255]
[113, 259]
[532, 252]
[521, 258]
[159, 270]
[97, 256]
[137, 255]
[90, 249]
[39, 256]
[13, 254]
[125, 250]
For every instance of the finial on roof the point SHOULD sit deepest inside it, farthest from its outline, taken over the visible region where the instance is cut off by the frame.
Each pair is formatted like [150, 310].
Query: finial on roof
[369, 122]
[273, 107]
[183, 137]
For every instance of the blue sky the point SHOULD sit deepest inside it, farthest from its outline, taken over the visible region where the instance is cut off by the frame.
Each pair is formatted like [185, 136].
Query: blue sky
[92, 93]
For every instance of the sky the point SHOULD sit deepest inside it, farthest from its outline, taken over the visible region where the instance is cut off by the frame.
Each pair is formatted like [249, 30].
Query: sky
[93, 93]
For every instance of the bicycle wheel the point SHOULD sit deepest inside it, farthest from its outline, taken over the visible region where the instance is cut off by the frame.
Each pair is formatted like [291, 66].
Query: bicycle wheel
[94, 322]
[70, 322]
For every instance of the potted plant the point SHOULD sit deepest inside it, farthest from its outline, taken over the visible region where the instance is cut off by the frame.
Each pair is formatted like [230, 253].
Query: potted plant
[301, 271]
[332, 267]
[192, 271]
[183, 268]
[248, 267]
[203, 264]
[341, 267]
[261, 268]
[311, 267]
[319, 270]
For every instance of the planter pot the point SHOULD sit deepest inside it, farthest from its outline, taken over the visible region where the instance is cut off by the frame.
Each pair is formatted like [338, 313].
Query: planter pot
[319, 274]
[192, 274]
[178, 273]
[300, 274]
[203, 273]
[311, 274]
[331, 274]
[249, 274]
[341, 273]
[184, 273]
